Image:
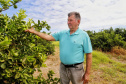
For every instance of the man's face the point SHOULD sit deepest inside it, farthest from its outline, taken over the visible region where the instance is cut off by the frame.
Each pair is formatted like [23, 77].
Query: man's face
[72, 22]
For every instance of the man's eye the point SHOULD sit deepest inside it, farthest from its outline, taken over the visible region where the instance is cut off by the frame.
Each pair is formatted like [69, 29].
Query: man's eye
[70, 20]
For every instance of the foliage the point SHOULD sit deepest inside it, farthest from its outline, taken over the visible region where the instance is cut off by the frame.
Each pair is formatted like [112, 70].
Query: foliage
[121, 32]
[5, 4]
[21, 52]
[105, 40]
[50, 80]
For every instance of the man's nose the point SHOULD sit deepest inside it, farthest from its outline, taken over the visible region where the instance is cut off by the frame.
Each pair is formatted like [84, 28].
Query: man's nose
[68, 22]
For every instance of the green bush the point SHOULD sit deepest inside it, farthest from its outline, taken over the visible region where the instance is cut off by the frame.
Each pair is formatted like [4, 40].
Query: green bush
[105, 40]
[21, 52]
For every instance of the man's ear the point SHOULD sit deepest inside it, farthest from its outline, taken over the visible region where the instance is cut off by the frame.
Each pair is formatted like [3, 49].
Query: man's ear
[78, 22]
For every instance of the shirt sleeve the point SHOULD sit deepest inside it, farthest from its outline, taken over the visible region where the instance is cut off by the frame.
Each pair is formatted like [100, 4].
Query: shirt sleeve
[87, 44]
[56, 36]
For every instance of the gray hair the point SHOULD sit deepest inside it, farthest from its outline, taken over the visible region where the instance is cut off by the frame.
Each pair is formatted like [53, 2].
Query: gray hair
[76, 14]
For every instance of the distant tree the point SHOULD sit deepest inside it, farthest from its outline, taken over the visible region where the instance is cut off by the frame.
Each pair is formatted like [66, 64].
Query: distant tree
[108, 30]
[106, 39]
[122, 32]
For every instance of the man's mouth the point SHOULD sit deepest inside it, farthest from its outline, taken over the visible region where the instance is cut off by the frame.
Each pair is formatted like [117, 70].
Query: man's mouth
[69, 25]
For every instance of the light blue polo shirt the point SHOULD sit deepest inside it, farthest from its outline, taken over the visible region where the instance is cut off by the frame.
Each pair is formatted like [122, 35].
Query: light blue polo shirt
[74, 46]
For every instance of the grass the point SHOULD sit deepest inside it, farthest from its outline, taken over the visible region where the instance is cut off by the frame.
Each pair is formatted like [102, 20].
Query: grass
[105, 70]
[111, 71]
[118, 52]
[56, 43]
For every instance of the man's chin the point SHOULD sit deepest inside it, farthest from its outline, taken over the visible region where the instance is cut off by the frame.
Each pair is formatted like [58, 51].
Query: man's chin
[71, 28]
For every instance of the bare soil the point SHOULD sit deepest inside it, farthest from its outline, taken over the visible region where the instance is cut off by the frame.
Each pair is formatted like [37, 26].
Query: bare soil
[52, 63]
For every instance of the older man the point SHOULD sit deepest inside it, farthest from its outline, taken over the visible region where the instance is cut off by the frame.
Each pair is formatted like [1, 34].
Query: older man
[74, 43]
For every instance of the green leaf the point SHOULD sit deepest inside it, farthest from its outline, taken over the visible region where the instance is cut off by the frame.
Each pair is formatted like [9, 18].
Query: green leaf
[20, 69]
[17, 76]
[6, 42]
[38, 22]
[15, 6]
[10, 57]
[10, 62]
[39, 70]
[3, 66]
[31, 45]
[2, 60]
[44, 65]
[16, 54]
[24, 59]
[34, 62]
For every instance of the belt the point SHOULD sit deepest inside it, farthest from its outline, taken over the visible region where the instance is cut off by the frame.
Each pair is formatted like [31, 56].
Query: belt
[72, 65]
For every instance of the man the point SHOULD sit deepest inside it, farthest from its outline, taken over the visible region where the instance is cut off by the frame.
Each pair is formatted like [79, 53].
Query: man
[74, 43]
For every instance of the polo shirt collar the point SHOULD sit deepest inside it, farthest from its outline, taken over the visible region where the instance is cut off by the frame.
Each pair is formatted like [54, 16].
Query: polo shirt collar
[75, 33]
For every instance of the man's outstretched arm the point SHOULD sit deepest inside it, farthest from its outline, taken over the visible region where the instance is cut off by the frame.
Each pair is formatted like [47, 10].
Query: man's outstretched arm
[42, 35]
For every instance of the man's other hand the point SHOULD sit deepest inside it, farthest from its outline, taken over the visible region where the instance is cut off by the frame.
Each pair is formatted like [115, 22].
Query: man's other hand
[85, 78]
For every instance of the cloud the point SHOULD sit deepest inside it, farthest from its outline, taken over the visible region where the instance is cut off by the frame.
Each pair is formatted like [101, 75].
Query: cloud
[95, 14]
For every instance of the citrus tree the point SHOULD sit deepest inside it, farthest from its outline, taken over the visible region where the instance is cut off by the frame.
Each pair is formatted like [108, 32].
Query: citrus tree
[22, 53]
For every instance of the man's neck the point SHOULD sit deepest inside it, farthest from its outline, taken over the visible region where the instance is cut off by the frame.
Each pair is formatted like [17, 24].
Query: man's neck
[72, 31]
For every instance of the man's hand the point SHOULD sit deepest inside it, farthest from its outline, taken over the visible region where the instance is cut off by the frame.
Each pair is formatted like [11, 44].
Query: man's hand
[42, 35]
[85, 78]
[30, 30]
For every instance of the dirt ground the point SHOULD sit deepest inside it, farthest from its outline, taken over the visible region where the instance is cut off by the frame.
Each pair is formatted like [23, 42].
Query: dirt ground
[52, 63]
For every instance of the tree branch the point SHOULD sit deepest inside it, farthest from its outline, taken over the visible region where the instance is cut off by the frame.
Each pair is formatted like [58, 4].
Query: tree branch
[9, 6]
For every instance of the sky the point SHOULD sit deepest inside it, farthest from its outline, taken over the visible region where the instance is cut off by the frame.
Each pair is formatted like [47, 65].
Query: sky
[95, 14]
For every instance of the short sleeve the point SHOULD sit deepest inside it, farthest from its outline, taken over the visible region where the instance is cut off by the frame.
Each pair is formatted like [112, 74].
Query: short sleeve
[87, 44]
[56, 36]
